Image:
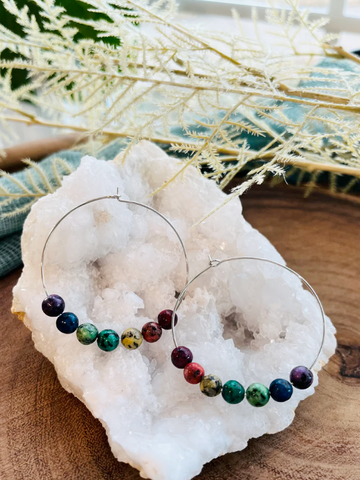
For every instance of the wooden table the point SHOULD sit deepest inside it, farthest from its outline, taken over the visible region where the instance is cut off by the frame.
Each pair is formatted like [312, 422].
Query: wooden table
[48, 434]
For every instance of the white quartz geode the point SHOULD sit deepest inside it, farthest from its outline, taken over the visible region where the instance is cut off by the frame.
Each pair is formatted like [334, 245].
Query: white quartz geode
[118, 266]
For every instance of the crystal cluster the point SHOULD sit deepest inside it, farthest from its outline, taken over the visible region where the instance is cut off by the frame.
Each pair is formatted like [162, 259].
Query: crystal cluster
[118, 266]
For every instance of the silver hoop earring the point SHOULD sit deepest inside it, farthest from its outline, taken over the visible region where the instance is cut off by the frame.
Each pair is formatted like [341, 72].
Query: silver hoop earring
[67, 322]
[233, 392]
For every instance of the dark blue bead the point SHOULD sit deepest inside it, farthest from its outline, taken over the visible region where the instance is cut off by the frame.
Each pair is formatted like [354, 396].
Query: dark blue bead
[53, 305]
[280, 390]
[67, 322]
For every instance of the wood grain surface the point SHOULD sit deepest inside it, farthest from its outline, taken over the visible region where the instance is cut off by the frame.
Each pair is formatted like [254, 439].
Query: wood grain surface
[48, 434]
[10, 158]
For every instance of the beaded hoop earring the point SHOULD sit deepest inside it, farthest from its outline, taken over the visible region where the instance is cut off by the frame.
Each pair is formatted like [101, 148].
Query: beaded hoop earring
[87, 333]
[233, 392]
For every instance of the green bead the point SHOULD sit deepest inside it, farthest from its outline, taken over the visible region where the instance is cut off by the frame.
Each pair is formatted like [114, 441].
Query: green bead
[131, 338]
[233, 392]
[211, 385]
[108, 340]
[257, 395]
[87, 333]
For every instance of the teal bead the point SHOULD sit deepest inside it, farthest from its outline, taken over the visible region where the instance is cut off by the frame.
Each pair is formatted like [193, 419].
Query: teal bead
[108, 340]
[87, 333]
[233, 392]
[257, 395]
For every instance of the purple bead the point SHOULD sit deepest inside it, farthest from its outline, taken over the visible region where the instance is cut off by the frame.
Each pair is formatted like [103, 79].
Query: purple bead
[301, 377]
[181, 356]
[164, 319]
[53, 305]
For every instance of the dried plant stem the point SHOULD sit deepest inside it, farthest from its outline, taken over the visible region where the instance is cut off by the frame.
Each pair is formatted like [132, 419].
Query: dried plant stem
[232, 153]
[342, 52]
[21, 195]
[314, 96]
[281, 86]
[310, 166]
[329, 102]
[78, 128]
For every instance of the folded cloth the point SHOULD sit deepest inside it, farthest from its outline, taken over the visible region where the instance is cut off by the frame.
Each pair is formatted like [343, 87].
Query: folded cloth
[10, 253]
[11, 222]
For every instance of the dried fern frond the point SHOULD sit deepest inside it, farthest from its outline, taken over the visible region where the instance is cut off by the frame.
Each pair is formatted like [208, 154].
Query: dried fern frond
[224, 100]
[20, 191]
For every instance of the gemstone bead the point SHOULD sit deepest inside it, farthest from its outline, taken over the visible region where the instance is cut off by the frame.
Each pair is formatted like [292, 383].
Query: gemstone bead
[151, 332]
[257, 395]
[181, 356]
[87, 333]
[211, 385]
[280, 390]
[193, 373]
[53, 305]
[164, 319]
[108, 340]
[301, 377]
[131, 338]
[67, 322]
[233, 392]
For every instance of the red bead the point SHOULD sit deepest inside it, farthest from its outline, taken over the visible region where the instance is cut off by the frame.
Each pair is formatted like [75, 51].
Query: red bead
[181, 356]
[193, 373]
[164, 319]
[151, 332]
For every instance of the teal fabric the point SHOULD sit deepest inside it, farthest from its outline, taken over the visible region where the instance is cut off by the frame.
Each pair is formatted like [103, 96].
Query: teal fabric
[10, 227]
[10, 253]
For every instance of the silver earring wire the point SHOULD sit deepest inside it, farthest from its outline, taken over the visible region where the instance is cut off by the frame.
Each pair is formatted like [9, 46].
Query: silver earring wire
[216, 263]
[109, 197]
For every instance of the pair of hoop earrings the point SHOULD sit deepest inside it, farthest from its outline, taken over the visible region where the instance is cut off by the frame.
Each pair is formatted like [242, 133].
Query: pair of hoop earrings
[257, 394]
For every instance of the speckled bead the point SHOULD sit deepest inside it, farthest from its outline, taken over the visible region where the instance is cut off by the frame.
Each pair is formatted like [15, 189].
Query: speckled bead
[53, 305]
[181, 356]
[193, 373]
[87, 333]
[233, 392]
[280, 390]
[211, 385]
[131, 338]
[151, 332]
[301, 377]
[67, 322]
[108, 340]
[257, 395]
[164, 319]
